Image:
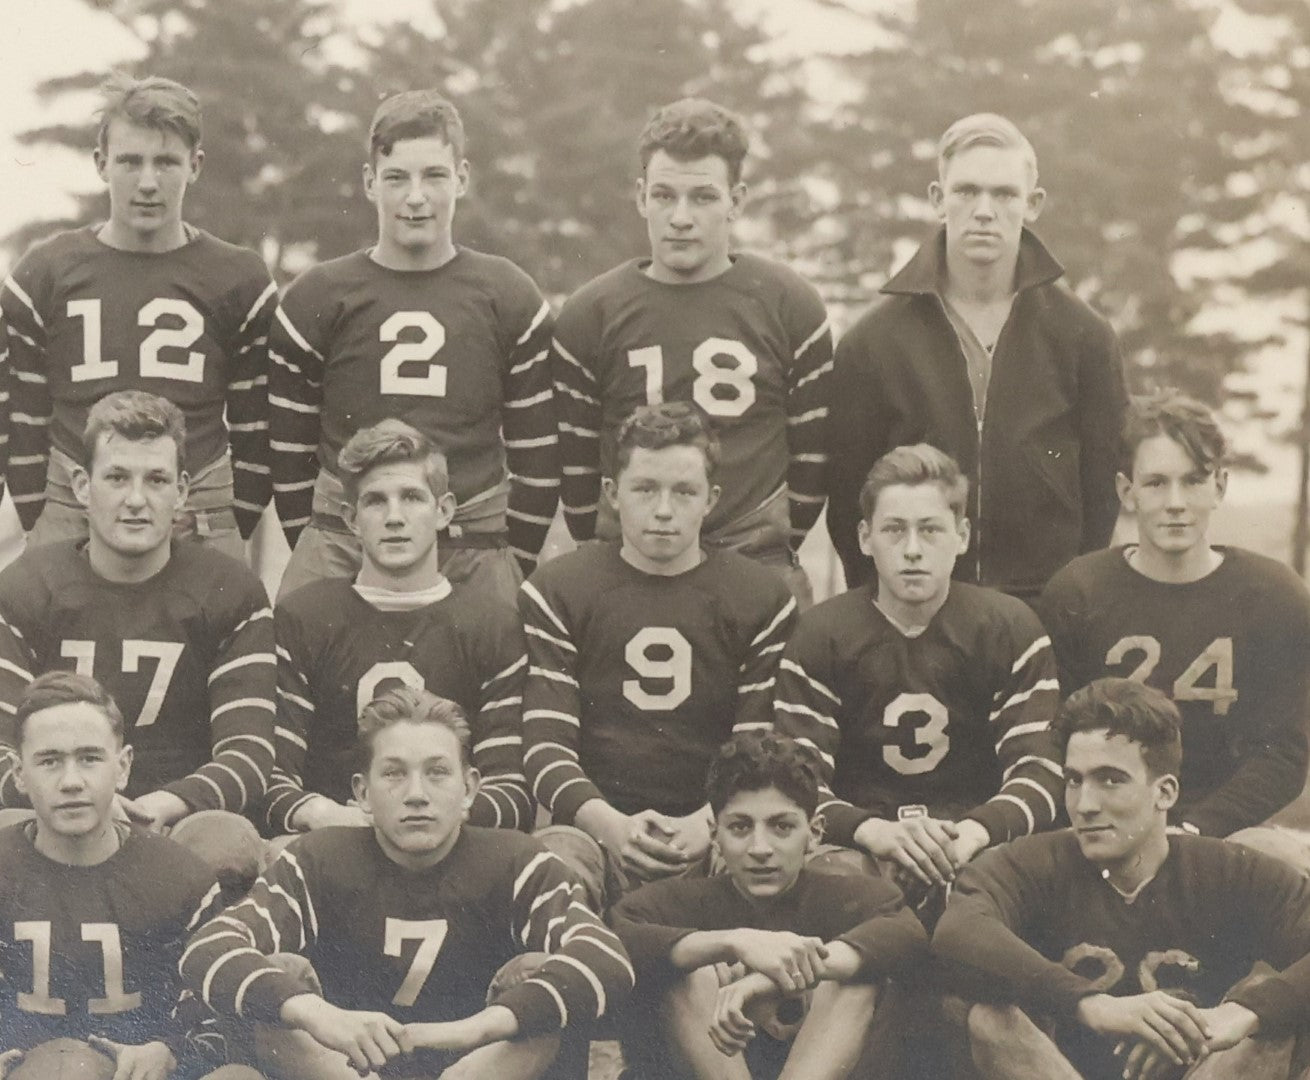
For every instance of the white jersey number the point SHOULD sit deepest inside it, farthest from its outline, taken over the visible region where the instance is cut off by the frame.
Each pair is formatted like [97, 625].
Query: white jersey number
[1218, 655]
[166, 654]
[401, 670]
[432, 383]
[671, 662]
[106, 935]
[724, 372]
[1084, 959]
[931, 736]
[185, 329]
[430, 935]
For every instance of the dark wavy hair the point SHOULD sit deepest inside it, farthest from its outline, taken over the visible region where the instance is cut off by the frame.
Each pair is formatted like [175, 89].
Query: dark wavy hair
[753, 761]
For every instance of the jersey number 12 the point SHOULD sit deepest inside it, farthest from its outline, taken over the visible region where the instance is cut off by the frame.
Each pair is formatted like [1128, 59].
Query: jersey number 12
[188, 328]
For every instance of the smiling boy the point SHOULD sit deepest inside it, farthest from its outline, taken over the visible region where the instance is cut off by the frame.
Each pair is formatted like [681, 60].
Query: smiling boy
[417, 327]
[819, 942]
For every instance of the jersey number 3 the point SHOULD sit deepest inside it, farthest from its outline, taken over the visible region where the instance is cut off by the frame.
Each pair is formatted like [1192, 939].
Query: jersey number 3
[929, 740]
[187, 327]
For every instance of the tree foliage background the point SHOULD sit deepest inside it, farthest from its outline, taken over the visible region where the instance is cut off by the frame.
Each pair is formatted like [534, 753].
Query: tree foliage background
[1157, 142]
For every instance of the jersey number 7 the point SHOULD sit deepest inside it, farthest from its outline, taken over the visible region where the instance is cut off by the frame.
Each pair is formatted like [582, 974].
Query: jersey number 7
[430, 935]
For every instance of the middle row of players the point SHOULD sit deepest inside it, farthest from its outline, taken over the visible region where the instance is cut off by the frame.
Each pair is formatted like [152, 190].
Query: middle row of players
[929, 702]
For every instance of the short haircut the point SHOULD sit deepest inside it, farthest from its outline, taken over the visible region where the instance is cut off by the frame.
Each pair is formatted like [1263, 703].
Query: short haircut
[1140, 713]
[1191, 424]
[415, 114]
[134, 415]
[153, 102]
[753, 761]
[65, 688]
[984, 129]
[912, 466]
[385, 443]
[672, 423]
[405, 704]
[693, 128]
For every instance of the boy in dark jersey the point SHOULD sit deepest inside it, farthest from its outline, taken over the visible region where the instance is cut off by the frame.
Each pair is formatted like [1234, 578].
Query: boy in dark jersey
[445, 338]
[93, 914]
[180, 635]
[142, 302]
[1224, 632]
[644, 655]
[797, 940]
[1121, 948]
[341, 642]
[743, 337]
[929, 701]
[406, 924]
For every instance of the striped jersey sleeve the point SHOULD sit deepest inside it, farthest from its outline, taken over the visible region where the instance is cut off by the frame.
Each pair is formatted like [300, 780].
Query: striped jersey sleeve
[531, 439]
[5, 378]
[588, 971]
[29, 408]
[295, 398]
[242, 681]
[295, 717]
[552, 709]
[1032, 781]
[808, 388]
[756, 684]
[247, 410]
[502, 801]
[17, 669]
[578, 404]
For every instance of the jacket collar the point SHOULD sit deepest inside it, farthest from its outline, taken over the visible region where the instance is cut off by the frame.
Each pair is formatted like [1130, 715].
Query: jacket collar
[1037, 266]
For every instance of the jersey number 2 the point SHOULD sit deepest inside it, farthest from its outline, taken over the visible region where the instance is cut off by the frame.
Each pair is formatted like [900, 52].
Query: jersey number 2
[1217, 655]
[152, 365]
[116, 999]
[721, 389]
[167, 653]
[432, 383]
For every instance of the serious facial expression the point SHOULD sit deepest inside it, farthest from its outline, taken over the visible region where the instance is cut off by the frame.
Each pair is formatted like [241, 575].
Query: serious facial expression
[1114, 803]
[132, 493]
[763, 838]
[662, 498]
[1171, 496]
[689, 207]
[397, 516]
[417, 791]
[71, 766]
[914, 539]
[985, 198]
[147, 170]
[415, 189]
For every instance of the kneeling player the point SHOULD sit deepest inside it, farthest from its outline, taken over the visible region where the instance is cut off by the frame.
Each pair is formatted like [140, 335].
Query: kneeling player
[643, 657]
[1133, 942]
[93, 914]
[928, 700]
[407, 922]
[813, 944]
[340, 642]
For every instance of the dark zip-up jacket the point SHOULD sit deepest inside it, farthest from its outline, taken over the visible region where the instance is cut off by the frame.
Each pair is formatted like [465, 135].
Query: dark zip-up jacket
[1042, 462]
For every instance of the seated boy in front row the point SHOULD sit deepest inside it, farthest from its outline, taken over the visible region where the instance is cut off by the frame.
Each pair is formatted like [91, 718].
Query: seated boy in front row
[1115, 948]
[735, 956]
[93, 913]
[407, 923]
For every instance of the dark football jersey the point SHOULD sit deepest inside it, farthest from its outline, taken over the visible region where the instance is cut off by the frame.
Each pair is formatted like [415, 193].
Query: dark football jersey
[191, 325]
[1232, 650]
[957, 719]
[419, 945]
[1036, 924]
[752, 347]
[187, 655]
[336, 652]
[635, 680]
[93, 950]
[459, 352]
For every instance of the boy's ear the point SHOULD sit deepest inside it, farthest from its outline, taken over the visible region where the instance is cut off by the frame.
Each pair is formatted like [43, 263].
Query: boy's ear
[816, 832]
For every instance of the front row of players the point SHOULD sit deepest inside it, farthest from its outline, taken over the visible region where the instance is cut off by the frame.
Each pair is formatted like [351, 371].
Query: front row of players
[1116, 948]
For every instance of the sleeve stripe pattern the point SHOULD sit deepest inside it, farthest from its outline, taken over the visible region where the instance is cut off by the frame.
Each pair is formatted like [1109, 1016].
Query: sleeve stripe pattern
[247, 411]
[531, 439]
[295, 396]
[503, 800]
[807, 424]
[579, 450]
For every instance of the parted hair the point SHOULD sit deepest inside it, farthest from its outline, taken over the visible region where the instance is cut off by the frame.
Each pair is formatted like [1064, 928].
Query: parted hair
[691, 128]
[921, 463]
[1140, 713]
[65, 688]
[1190, 423]
[151, 102]
[671, 423]
[401, 704]
[984, 129]
[753, 761]
[134, 415]
[415, 114]
[385, 443]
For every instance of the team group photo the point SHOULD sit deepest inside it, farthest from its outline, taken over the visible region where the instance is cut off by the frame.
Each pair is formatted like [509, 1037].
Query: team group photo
[621, 549]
